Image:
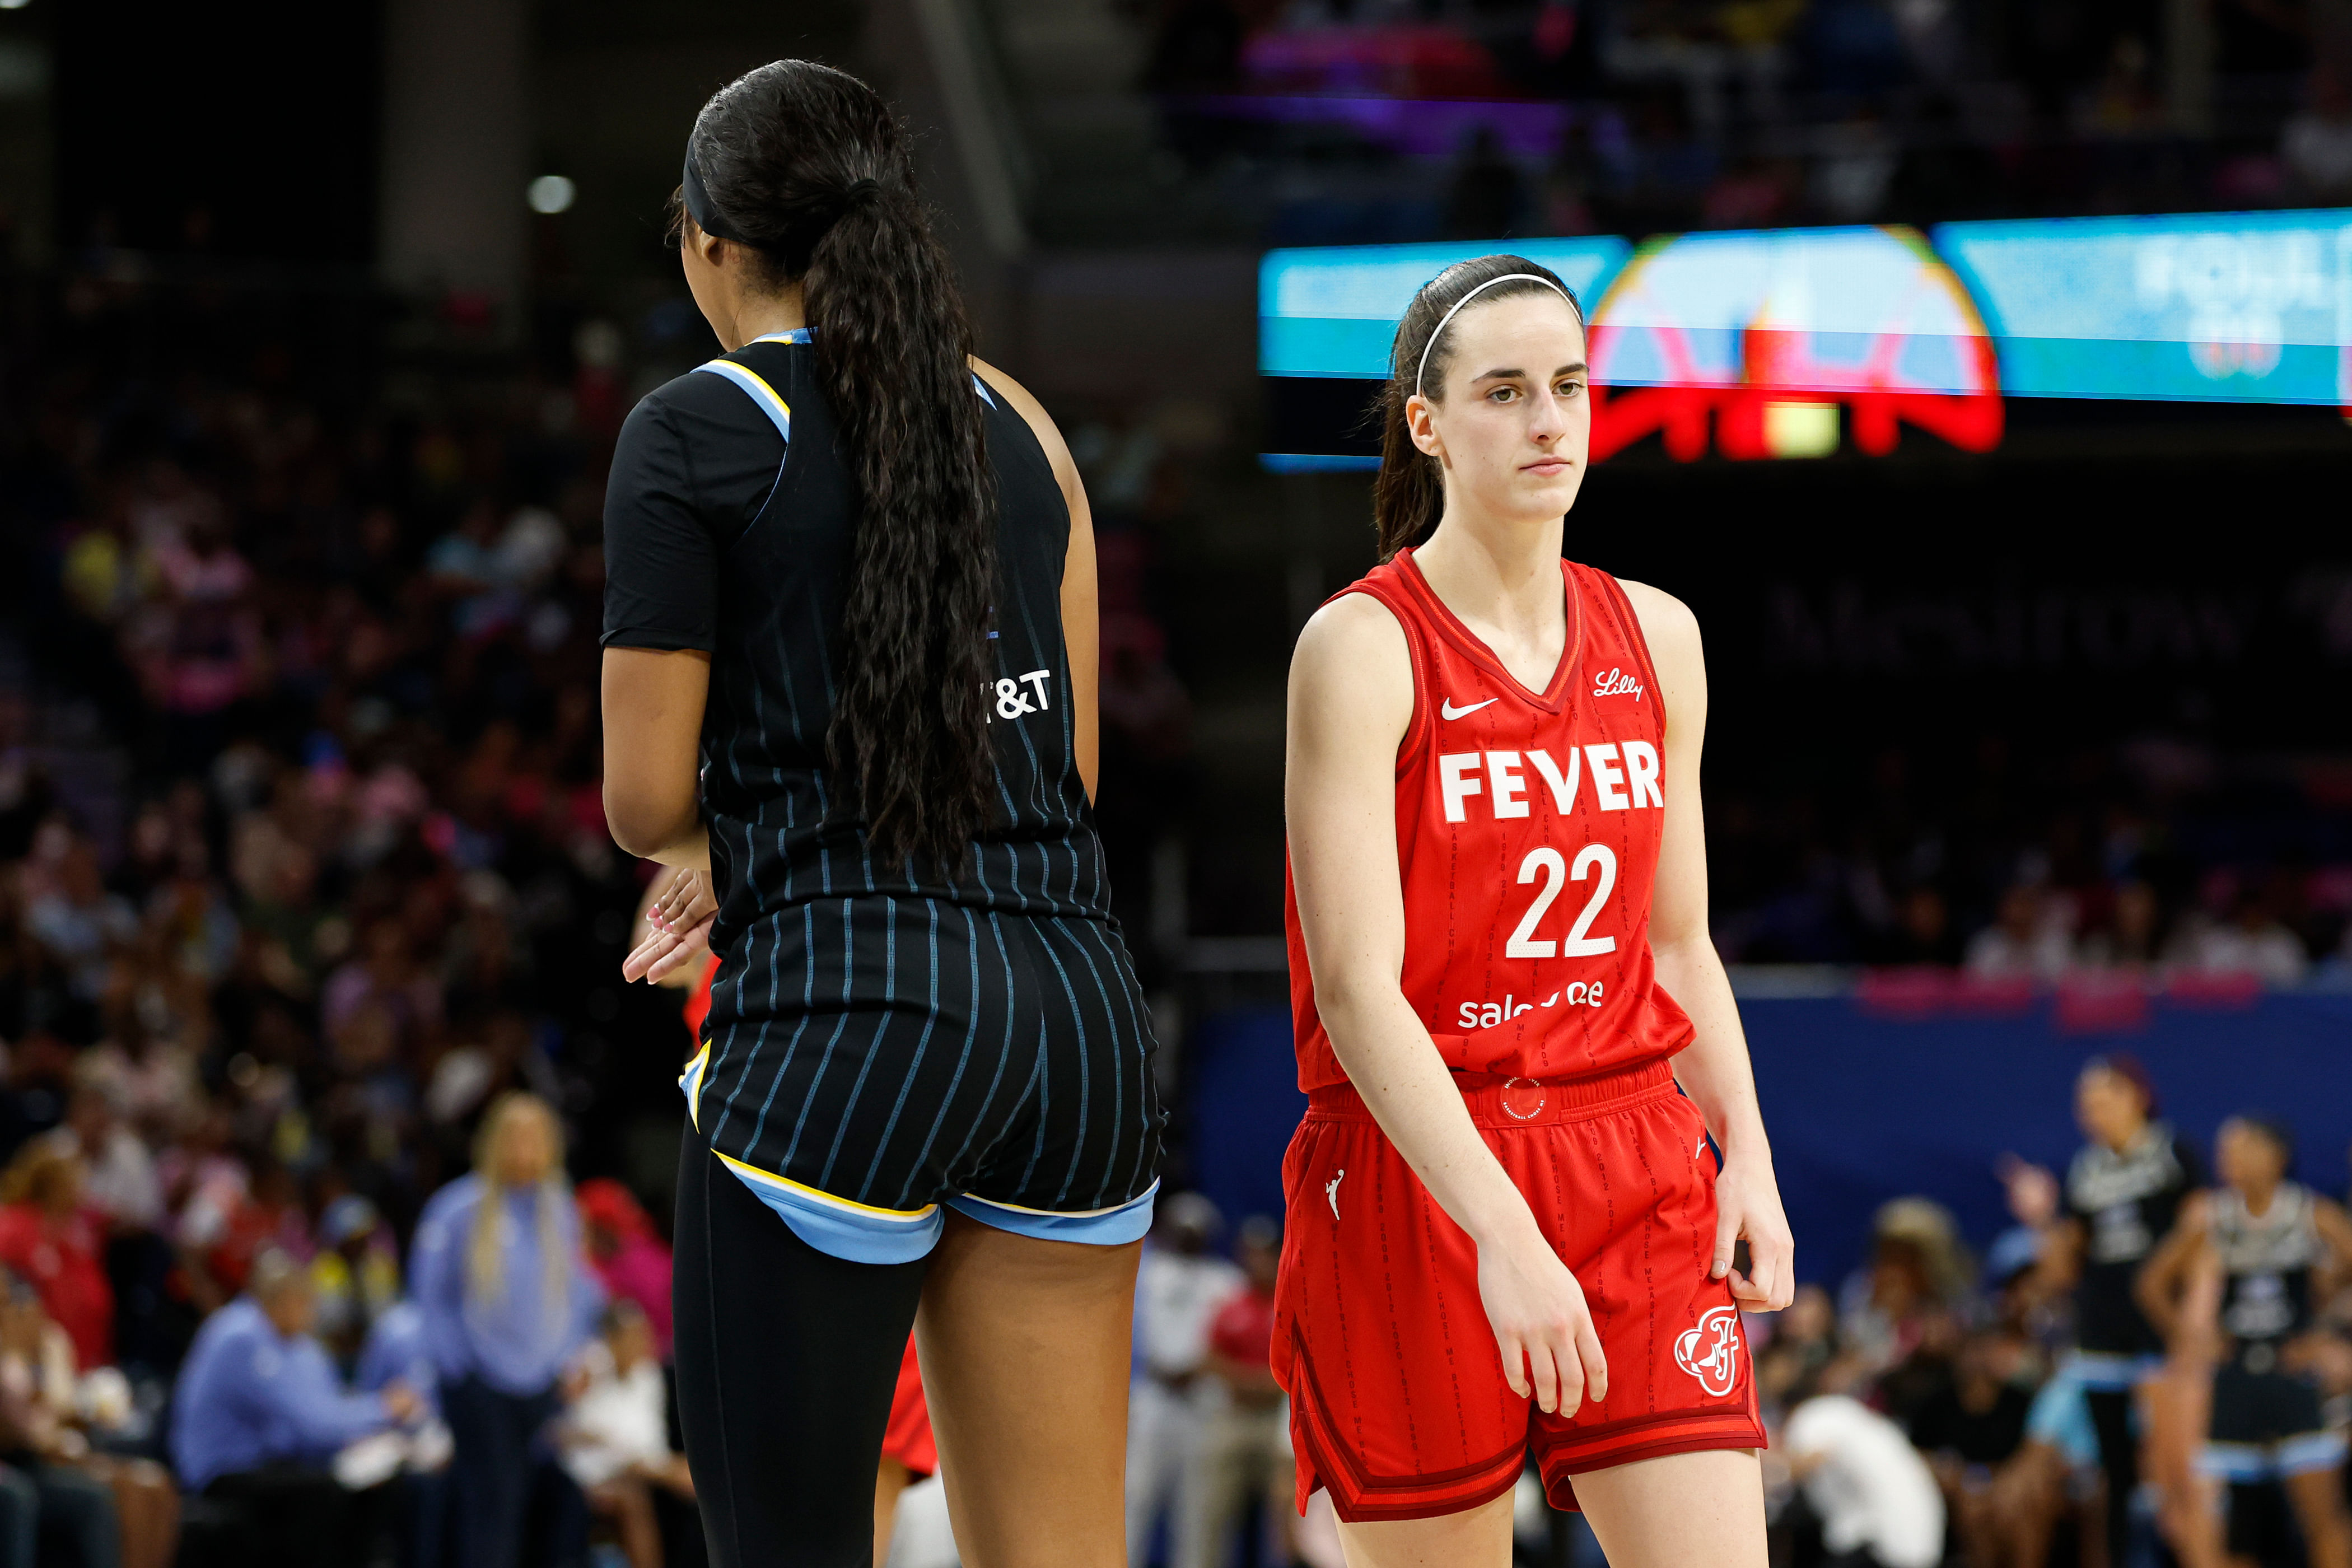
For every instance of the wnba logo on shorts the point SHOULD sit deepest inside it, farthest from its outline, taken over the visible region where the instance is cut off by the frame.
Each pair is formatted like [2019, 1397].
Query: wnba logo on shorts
[1710, 1352]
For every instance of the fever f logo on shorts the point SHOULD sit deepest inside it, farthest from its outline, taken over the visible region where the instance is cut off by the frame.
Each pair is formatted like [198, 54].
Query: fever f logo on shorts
[1710, 1352]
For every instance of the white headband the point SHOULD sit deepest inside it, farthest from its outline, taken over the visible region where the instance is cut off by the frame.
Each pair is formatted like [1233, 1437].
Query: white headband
[1473, 294]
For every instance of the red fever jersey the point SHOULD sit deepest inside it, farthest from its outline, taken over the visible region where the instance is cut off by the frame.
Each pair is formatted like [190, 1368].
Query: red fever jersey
[1527, 830]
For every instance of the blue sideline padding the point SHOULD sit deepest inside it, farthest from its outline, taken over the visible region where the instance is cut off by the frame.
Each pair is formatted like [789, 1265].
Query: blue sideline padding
[1864, 1108]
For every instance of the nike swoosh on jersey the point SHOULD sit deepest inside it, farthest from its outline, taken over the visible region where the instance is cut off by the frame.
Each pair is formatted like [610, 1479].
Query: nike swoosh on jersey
[1447, 707]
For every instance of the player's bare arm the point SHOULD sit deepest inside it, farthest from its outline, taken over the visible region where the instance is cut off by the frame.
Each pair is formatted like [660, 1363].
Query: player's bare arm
[2165, 1275]
[1081, 612]
[1350, 702]
[1714, 1069]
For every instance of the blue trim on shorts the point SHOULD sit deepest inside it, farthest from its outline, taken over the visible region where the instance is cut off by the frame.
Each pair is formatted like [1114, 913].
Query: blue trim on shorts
[2113, 1371]
[2246, 1464]
[1130, 1221]
[858, 1232]
[2305, 1452]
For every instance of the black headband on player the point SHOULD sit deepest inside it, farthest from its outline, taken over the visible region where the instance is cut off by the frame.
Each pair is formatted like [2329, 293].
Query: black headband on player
[708, 219]
[698, 205]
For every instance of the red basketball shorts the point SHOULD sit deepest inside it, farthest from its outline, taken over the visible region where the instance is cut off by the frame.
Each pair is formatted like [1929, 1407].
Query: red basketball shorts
[1398, 1402]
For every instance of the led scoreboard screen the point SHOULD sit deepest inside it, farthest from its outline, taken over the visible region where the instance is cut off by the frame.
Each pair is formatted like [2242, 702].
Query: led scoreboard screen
[1784, 343]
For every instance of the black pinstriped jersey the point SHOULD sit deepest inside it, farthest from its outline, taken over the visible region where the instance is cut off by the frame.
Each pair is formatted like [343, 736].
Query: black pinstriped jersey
[778, 838]
[877, 1043]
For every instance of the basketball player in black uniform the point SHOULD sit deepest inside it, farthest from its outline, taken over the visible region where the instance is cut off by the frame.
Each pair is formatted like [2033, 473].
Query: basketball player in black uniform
[849, 695]
[2277, 1243]
[2123, 1193]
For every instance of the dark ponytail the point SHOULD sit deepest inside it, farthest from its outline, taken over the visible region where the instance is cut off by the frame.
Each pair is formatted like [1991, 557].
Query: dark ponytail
[808, 167]
[1409, 496]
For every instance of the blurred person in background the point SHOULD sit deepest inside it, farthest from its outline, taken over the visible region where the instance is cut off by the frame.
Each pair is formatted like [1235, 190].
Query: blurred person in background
[2131, 935]
[1790, 1359]
[2184, 1302]
[2278, 1248]
[1972, 1432]
[2027, 939]
[614, 1434]
[260, 1417]
[38, 1499]
[2124, 1190]
[1179, 1287]
[119, 1173]
[355, 1275]
[1244, 1446]
[51, 1436]
[629, 1259]
[506, 1301]
[1900, 1316]
[2248, 939]
[1875, 1497]
[50, 1239]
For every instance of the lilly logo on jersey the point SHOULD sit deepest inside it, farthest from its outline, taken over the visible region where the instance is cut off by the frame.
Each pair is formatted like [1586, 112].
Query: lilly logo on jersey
[1710, 1352]
[1486, 1015]
[1625, 778]
[1617, 683]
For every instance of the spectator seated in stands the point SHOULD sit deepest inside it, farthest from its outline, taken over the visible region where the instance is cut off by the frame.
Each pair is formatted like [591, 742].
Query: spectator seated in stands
[45, 1487]
[1874, 1496]
[356, 1275]
[259, 1419]
[628, 1259]
[1244, 1438]
[48, 1238]
[2028, 939]
[615, 1436]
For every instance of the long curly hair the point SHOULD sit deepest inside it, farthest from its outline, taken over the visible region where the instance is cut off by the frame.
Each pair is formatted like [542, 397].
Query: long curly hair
[812, 168]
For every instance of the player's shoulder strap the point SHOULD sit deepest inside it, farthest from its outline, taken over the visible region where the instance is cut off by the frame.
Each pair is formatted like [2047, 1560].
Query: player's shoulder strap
[1386, 583]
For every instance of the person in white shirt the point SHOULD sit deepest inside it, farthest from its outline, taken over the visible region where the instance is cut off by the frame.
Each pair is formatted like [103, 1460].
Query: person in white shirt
[1876, 1497]
[615, 1436]
[1177, 1290]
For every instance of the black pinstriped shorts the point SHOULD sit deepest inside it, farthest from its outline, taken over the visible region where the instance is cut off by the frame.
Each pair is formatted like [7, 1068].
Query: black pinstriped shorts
[872, 1061]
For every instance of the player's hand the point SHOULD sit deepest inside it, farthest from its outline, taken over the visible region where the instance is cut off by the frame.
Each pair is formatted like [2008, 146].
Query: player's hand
[675, 929]
[1747, 1207]
[1541, 1324]
[400, 1403]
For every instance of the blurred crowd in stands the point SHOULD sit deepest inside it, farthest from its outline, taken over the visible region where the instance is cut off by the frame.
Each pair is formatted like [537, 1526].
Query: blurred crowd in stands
[310, 936]
[1646, 116]
[2145, 867]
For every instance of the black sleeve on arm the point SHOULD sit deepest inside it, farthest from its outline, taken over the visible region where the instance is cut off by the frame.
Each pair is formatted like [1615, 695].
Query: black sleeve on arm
[661, 564]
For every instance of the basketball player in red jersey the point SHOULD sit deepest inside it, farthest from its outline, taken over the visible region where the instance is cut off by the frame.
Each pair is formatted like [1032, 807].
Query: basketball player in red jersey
[1506, 1229]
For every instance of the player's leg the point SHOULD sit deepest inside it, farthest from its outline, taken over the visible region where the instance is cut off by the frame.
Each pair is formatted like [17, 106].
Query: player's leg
[889, 1480]
[2317, 1495]
[786, 1360]
[1475, 1538]
[1025, 1346]
[2111, 1416]
[1707, 1507]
